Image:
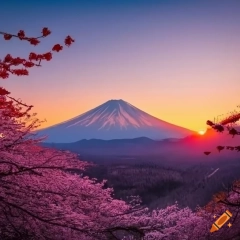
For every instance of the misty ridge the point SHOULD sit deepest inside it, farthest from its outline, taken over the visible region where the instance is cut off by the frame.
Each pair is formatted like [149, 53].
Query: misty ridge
[193, 145]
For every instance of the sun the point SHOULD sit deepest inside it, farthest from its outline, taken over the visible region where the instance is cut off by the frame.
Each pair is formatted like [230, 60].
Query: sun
[202, 132]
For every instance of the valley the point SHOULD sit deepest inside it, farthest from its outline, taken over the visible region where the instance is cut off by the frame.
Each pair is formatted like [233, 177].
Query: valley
[160, 183]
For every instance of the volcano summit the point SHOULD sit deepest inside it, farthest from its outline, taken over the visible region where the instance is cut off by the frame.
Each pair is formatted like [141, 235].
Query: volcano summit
[114, 119]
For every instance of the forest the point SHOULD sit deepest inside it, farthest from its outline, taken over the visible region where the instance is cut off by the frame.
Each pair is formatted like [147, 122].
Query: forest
[160, 184]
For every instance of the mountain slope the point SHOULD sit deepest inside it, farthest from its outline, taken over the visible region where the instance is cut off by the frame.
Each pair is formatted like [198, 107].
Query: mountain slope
[115, 119]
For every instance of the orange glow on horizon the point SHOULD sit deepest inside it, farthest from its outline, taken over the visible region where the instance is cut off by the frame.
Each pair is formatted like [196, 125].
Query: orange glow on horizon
[202, 132]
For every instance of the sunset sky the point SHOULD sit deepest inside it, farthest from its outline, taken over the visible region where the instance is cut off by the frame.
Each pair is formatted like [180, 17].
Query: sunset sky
[177, 60]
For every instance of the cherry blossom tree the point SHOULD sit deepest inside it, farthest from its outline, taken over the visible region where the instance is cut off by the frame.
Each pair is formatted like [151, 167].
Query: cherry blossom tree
[42, 197]
[19, 66]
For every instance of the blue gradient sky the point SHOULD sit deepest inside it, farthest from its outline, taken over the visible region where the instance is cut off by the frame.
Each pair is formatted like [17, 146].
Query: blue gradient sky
[177, 60]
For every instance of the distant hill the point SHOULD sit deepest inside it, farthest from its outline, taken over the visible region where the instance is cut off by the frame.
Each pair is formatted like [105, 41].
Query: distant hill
[193, 145]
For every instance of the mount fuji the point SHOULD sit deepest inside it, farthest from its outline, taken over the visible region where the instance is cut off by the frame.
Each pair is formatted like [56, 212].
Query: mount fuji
[114, 119]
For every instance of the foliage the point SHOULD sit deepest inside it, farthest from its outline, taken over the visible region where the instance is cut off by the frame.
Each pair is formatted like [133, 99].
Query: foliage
[228, 124]
[11, 65]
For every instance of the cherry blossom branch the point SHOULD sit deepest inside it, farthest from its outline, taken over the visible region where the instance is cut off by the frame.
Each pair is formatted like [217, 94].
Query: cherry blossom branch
[49, 221]
[225, 125]
[21, 35]
[8, 62]
[17, 101]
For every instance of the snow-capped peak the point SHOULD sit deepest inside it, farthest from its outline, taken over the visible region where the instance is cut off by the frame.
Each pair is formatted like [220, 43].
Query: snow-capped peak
[114, 119]
[112, 113]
